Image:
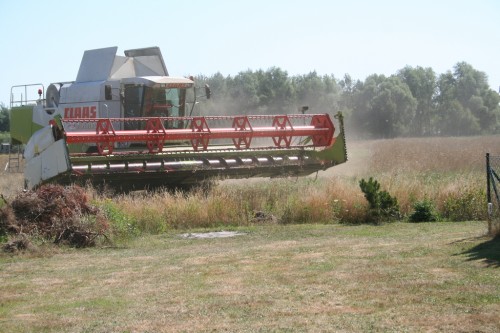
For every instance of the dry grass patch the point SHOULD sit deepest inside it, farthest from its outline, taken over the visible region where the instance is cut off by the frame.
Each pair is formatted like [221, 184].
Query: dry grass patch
[436, 155]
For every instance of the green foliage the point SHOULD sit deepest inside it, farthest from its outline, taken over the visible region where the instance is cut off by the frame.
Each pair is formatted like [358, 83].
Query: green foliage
[465, 103]
[370, 189]
[423, 211]
[466, 205]
[382, 204]
[384, 107]
[297, 212]
[3, 202]
[122, 225]
[4, 137]
[412, 102]
[270, 92]
[150, 221]
[422, 84]
[4, 119]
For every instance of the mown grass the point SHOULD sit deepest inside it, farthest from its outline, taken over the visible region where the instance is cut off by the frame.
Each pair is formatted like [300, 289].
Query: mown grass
[396, 277]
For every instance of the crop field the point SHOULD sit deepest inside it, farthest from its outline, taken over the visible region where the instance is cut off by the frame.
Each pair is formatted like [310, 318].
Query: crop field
[304, 259]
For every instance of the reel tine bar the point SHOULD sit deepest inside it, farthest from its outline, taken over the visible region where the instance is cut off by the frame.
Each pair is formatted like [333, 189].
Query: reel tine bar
[241, 130]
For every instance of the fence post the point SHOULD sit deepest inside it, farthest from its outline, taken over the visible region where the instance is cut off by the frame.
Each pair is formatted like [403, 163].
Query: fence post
[488, 191]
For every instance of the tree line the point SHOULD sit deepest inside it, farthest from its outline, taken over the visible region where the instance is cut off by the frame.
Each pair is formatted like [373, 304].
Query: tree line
[413, 102]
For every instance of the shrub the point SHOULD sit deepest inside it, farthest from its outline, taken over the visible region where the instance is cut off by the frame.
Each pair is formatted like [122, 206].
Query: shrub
[423, 211]
[382, 204]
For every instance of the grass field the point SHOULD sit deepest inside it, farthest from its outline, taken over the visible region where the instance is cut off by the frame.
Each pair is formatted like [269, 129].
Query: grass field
[400, 277]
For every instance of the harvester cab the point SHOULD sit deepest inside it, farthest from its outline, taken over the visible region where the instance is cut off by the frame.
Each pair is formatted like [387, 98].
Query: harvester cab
[111, 86]
[125, 123]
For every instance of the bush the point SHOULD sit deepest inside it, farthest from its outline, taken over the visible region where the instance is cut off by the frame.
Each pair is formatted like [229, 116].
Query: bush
[382, 204]
[423, 211]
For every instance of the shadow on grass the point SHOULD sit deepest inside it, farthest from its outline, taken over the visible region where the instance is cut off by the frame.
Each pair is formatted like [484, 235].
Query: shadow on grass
[488, 251]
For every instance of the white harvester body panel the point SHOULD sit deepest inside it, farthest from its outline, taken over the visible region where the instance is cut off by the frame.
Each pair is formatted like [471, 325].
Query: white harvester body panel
[96, 65]
[45, 157]
[82, 92]
[52, 161]
[33, 172]
[55, 160]
[39, 142]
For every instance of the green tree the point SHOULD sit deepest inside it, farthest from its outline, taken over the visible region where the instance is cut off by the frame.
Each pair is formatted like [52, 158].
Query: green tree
[275, 91]
[413, 102]
[473, 91]
[217, 83]
[382, 204]
[4, 119]
[466, 105]
[384, 107]
[422, 84]
[243, 89]
[220, 103]
[348, 90]
[320, 93]
[457, 120]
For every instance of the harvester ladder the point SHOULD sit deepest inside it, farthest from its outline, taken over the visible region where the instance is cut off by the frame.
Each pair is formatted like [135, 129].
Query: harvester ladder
[14, 162]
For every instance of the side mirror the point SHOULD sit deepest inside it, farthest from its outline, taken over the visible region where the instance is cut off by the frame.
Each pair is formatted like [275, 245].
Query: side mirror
[107, 92]
[208, 92]
[303, 109]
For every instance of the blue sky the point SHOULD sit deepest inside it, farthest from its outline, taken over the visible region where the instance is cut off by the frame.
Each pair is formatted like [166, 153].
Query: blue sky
[43, 41]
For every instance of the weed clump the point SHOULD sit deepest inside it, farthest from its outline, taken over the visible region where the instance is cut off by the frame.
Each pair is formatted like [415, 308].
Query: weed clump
[467, 205]
[18, 243]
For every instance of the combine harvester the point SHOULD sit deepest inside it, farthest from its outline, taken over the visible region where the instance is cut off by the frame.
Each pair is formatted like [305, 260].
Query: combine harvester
[125, 123]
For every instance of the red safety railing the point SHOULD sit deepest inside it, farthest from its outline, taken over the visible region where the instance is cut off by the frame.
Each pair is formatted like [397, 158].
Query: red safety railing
[200, 131]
